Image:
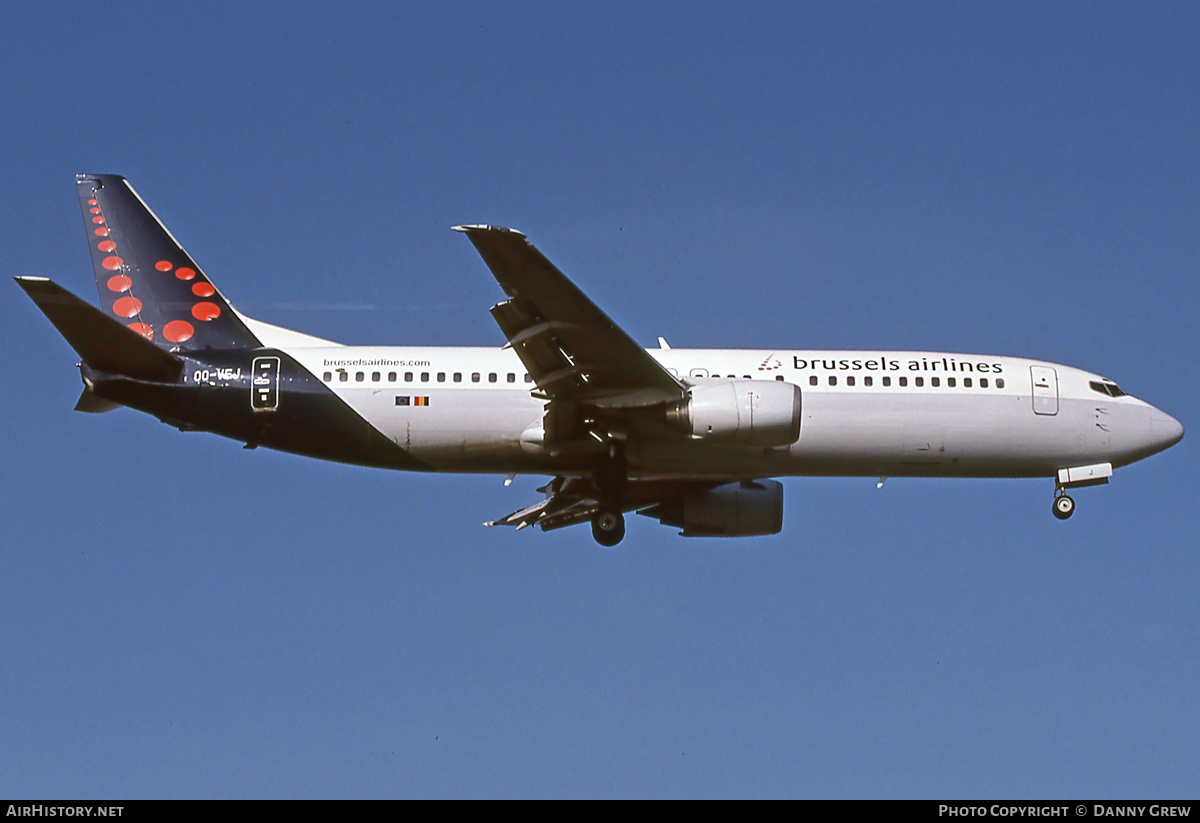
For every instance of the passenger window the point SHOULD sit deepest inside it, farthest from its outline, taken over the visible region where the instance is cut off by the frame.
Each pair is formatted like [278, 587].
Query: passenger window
[999, 382]
[967, 382]
[359, 377]
[458, 377]
[424, 377]
[441, 377]
[475, 377]
[903, 381]
[779, 378]
[850, 380]
[887, 380]
[935, 381]
[983, 383]
[391, 377]
[343, 376]
[374, 377]
[492, 377]
[833, 379]
[918, 382]
[951, 382]
[812, 380]
[408, 377]
[327, 376]
[868, 380]
[512, 378]
[528, 379]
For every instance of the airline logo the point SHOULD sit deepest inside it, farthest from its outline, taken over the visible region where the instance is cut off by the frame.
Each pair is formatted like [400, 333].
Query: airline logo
[771, 363]
[404, 400]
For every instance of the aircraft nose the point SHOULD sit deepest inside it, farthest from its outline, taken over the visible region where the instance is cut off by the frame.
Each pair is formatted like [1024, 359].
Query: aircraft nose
[1165, 429]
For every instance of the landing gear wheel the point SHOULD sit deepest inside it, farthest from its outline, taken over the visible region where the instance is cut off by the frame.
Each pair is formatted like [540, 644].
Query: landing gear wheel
[1064, 507]
[608, 527]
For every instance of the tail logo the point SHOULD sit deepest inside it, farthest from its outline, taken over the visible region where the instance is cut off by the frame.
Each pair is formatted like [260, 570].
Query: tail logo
[146, 280]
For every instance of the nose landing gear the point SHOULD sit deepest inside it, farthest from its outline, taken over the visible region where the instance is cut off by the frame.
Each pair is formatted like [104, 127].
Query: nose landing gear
[1076, 477]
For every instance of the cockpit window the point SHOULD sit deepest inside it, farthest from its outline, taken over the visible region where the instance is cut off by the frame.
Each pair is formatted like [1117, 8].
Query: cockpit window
[1106, 387]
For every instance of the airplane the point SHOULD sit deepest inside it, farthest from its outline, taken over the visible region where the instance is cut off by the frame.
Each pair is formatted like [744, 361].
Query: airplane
[690, 437]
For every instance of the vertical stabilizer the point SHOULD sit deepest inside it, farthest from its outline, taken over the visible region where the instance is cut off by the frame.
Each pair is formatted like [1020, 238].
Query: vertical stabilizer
[146, 280]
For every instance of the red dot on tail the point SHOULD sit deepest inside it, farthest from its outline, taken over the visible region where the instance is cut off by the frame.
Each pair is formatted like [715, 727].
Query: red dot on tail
[107, 245]
[95, 209]
[127, 306]
[206, 311]
[92, 202]
[102, 232]
[163, 265]
[177, 331]
[112, 263]
[142, 329]
[203, 290]
[97, 220]
[184, 273]
[119, 283]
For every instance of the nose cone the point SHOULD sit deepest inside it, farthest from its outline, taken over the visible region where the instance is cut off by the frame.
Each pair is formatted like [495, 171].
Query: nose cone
[1165, 430]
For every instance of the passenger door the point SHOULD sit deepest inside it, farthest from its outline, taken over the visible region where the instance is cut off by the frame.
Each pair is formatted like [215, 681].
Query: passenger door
[1045, 389]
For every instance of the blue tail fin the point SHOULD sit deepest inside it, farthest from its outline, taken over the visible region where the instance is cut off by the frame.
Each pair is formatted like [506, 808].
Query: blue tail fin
[146, 279]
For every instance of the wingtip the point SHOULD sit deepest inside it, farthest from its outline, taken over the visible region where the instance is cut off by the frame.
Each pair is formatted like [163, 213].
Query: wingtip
[467, 228]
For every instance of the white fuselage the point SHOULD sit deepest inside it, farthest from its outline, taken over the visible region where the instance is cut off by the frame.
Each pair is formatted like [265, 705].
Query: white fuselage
[864, 413]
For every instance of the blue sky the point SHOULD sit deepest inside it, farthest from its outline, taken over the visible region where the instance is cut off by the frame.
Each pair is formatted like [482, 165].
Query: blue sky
[180, 617]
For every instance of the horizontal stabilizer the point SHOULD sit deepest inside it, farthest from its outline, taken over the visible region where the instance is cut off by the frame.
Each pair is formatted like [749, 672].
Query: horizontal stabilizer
[91, 403]
[104, 343]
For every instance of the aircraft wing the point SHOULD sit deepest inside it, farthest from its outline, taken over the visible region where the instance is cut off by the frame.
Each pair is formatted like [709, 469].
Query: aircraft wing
[572, 349]
[571, 500]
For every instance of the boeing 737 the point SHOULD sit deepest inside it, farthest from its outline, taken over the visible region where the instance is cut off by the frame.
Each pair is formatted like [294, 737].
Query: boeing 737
[690, 437]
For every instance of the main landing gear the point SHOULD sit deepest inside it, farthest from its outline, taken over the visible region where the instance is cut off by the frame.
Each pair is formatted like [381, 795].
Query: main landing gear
[1064, 506]
[609, 476]
[608, 527]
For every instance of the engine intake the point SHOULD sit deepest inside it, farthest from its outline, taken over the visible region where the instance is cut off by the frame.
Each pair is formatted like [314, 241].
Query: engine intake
[740, 413]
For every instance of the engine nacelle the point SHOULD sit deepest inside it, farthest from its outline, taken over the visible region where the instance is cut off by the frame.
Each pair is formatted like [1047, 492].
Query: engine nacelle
[732, 510]
[741, 413]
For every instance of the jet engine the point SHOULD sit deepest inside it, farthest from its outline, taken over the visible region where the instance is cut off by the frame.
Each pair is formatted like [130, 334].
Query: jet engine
[740, 413]
[733, 510]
